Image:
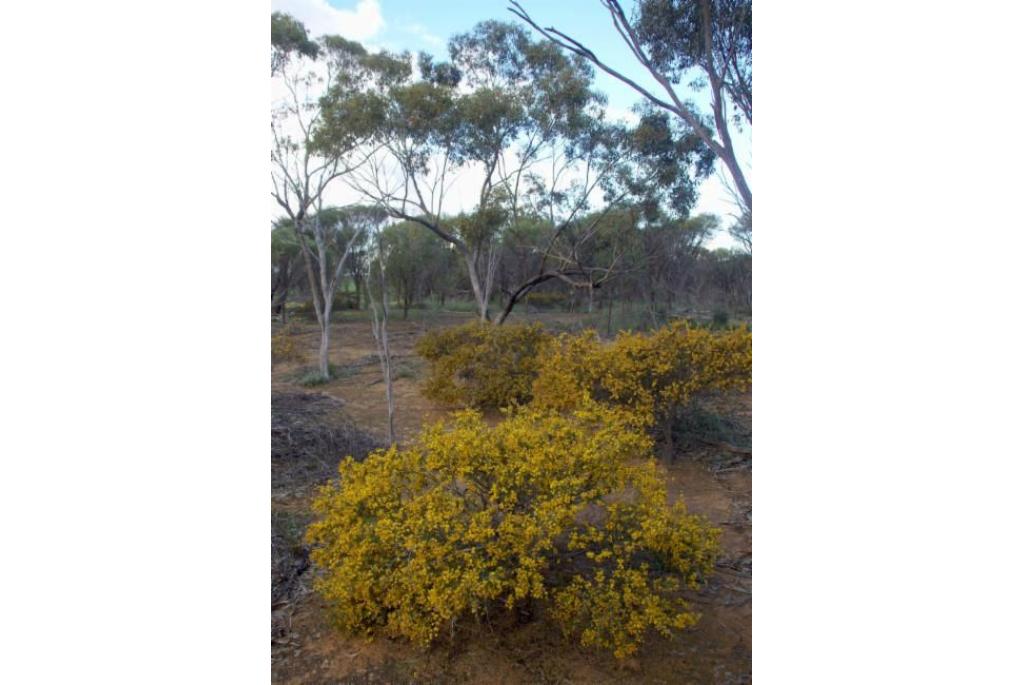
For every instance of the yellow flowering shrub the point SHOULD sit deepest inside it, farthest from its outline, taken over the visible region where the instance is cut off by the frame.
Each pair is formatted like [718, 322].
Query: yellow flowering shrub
[283, 348]
[562, 512]
[481, 365]
[650, 375]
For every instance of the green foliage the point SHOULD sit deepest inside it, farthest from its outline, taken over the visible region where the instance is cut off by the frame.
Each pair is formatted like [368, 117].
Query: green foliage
[284, 244]
[499, 87]
[669, 163]
[343, 301]
[342, 223]
[553, 90]
[701, 422]
[310, 378]
[416, 262]
[674, 34]
[288, 35]
[481, 365]
[480, 226]
[567, 513]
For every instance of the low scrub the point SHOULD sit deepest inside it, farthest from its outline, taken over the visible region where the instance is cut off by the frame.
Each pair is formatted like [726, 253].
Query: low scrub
[547, 300]
[285, 348]
[652, 376]
[311, 377]
[562, 513]
[342, 301]
[481, 365]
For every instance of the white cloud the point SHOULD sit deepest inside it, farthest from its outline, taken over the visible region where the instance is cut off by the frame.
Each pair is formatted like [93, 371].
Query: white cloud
[362, 22]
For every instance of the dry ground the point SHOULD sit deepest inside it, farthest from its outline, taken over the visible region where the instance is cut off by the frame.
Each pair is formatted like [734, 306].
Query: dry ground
[305, 649]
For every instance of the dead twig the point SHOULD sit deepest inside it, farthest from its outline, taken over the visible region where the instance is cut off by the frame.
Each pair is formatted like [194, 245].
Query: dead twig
[727, 446]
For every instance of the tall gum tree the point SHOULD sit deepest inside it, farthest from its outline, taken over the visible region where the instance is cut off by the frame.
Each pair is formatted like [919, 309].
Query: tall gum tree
[706, 41]
[300, 175]
[330, 238]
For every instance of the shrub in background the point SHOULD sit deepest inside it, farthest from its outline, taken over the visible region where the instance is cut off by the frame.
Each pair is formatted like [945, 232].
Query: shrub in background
[284, 347]
[548, 299]
[481, 365]
[342, 301]
[565, 512]
[650, 375]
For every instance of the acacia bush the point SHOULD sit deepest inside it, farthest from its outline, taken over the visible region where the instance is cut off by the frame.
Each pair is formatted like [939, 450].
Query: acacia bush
[565, 513]
[481, 365]
[651, 375]
[284, 348]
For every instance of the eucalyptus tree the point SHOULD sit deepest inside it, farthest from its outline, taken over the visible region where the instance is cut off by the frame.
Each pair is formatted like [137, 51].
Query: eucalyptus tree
[415, 262]
[328, 239]
[301, 174]
[377, 291]
[494, 111]
[705, 42]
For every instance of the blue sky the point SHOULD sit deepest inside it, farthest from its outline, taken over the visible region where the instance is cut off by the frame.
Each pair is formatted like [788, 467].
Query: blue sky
[584, 19]
[426, 25]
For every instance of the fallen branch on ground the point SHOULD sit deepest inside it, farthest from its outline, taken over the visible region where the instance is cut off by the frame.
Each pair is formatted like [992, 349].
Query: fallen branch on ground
[727, 446]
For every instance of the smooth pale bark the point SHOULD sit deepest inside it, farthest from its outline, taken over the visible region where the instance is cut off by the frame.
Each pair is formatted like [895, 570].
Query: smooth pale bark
[380, 335]
[388, 383]
[325, 344]
[479, 290]
[323, 289]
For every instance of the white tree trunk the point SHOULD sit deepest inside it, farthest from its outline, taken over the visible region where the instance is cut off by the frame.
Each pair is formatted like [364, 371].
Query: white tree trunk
[479, 293]
[380, 335]
[325, 342]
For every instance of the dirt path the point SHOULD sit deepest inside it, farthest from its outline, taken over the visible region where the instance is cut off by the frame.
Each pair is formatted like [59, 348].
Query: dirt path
[717, 650]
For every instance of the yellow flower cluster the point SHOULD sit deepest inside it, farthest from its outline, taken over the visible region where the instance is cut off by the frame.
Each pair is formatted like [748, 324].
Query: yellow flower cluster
[481, 365]
[650, 375]
[564, 510]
